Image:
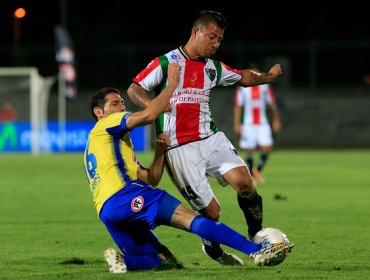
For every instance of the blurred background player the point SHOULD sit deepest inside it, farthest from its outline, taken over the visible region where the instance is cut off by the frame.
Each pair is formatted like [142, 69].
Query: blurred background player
[252, 123]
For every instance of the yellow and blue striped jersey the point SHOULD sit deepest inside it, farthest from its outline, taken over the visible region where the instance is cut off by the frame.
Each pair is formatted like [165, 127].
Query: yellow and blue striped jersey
[109, 158]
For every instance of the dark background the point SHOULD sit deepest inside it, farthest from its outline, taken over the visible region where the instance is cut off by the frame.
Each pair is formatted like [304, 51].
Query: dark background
[114, 41]
[324, 48]
[115, 22]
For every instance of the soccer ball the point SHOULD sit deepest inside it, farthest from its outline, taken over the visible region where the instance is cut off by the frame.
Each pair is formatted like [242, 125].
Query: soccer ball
[268, 236]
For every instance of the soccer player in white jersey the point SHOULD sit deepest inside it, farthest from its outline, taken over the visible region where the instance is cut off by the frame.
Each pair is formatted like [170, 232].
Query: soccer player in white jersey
[198, 149]
[252, 124]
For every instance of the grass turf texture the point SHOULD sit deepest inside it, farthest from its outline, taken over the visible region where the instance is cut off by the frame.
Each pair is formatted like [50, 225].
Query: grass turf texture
[49, 228]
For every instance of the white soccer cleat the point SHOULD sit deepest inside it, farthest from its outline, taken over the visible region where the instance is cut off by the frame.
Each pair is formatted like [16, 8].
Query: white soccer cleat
[115, 261]
[272, 254]
[226, 258]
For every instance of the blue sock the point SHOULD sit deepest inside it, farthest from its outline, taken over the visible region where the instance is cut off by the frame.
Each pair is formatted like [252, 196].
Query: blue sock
[141, 262]
[223, 234]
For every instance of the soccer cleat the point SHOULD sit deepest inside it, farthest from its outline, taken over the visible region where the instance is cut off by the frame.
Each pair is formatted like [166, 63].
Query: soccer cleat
[115, 261]
[226, 258]
[171, 262]
[272, 253]
[258, 177]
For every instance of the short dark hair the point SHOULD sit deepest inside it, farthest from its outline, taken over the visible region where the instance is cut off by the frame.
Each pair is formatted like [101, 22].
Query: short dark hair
[98, 99]
[206, 16]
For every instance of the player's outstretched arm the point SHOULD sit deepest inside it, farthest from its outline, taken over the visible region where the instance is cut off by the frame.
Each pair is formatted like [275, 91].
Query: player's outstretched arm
[253, 78]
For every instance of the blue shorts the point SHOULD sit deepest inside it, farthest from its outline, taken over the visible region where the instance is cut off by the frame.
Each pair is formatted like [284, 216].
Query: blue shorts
[133, 212]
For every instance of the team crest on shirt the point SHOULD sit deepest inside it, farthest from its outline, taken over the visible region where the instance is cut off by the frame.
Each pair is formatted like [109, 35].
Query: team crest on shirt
[137, 203]
[211, 73]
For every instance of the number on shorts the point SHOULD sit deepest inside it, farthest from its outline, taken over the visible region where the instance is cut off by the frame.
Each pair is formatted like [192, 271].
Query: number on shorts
[188, 193]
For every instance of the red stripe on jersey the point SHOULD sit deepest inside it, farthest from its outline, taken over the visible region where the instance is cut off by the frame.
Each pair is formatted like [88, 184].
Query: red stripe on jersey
[256, 94]
[151, 66]
[256, 115]
[194, 74]
[187, 122]
[228, 68]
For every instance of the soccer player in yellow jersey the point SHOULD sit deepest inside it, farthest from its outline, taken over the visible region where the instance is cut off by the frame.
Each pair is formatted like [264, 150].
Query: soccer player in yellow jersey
[125, 196]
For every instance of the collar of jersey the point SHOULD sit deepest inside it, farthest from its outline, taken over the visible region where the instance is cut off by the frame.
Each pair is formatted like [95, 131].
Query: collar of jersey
[183, 52]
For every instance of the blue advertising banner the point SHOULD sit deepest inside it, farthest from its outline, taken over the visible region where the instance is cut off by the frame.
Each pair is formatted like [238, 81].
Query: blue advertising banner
[16, 137]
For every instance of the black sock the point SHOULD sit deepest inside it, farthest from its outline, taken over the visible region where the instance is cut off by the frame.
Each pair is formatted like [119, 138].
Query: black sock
[249, 161]
[251, 205]
[212, 249]
[262, 161]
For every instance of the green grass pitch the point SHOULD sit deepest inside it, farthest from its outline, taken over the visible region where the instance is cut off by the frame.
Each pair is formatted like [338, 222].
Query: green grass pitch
[49, 228]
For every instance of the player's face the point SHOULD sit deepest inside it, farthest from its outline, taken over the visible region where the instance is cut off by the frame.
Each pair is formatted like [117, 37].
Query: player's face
[113, 104]
[209, 40]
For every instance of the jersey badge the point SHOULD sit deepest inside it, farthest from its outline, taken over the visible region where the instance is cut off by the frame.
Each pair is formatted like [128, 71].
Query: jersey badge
[211, 73]
[137, 203]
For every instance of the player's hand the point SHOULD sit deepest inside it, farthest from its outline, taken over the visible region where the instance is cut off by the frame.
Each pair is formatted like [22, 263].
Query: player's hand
[276, 71]
[163, 142]
[173, 73]
[168, 108]
[276, 126]
[237, 129]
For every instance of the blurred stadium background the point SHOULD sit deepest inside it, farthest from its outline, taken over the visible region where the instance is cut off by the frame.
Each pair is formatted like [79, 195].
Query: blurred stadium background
[323, 95]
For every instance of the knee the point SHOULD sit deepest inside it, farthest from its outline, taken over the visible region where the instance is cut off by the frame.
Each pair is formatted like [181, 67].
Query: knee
[244, 184]
[215, 216]
[246, 187]
[241, 180]
[212, 213]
